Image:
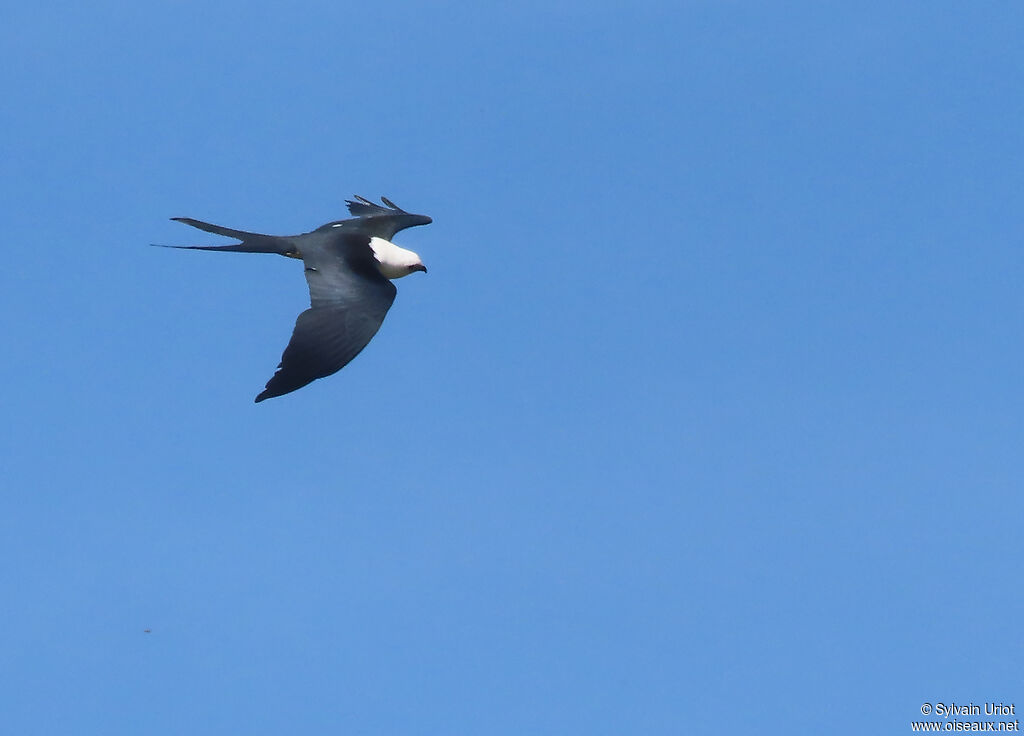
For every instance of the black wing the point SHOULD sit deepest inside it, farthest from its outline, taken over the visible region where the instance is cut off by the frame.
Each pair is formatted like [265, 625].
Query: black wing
[375, 220]
[362, 207]
[349, 299]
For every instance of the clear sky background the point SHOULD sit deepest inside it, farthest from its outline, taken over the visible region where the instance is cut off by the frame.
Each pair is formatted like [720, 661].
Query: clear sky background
[707, 417]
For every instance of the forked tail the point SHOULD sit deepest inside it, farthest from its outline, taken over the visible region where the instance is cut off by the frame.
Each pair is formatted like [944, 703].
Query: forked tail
[251, 242]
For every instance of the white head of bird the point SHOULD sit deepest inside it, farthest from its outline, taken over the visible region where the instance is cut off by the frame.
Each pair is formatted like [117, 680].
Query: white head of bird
[395, 262]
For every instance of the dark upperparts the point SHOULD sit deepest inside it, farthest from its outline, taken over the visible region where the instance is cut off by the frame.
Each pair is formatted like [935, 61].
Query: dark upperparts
[381, 221]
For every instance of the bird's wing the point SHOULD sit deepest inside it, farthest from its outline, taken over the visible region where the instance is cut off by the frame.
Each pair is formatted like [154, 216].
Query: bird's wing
[381, 221]
[362, 207]
[348, 301]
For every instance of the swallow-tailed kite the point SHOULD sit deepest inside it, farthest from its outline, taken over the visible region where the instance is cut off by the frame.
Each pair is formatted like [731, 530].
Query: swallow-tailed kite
[349, 267]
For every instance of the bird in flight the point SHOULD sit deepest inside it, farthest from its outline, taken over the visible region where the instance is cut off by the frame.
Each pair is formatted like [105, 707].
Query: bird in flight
[349, 267]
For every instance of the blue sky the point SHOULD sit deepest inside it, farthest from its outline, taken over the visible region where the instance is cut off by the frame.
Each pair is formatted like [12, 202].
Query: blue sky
[707, 417]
